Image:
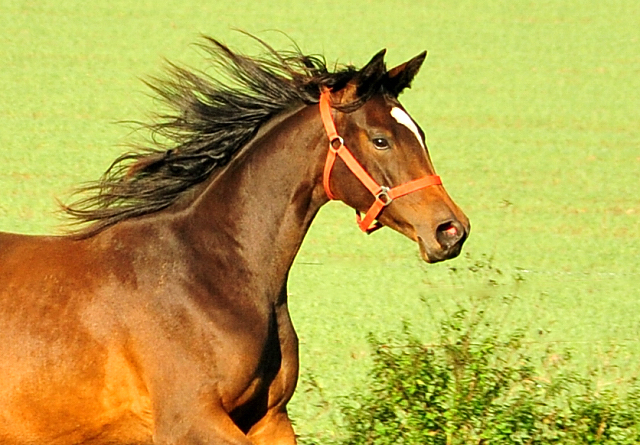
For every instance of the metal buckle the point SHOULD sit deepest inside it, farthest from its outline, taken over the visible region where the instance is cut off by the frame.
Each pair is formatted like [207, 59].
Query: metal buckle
[383, 195]
[332, 145]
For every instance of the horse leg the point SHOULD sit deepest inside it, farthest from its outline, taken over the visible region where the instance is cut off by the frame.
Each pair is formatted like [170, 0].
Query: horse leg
[273, 429]
[219, 430]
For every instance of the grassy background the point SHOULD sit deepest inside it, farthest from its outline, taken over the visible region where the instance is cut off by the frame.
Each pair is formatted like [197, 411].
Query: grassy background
[532, 113]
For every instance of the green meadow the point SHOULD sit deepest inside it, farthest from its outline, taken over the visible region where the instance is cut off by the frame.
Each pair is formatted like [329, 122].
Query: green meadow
[532, 111]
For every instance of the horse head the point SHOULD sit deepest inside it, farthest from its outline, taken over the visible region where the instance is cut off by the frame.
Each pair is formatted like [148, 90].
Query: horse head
[384, 168]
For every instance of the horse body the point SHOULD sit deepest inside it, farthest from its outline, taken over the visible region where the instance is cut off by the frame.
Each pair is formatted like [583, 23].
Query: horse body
[56, 365]
[172, 327]
[143, 292]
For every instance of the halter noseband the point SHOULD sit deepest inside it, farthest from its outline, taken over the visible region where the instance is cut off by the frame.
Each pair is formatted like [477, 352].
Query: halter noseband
[384, 195]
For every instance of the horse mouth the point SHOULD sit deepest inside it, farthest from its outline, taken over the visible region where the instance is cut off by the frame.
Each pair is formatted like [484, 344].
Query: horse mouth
[435, 255]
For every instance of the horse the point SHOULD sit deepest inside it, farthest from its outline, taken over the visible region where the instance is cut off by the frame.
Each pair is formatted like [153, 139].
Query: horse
[162, 317]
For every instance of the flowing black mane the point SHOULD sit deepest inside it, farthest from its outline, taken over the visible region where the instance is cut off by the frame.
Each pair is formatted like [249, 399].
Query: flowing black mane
[211, 118]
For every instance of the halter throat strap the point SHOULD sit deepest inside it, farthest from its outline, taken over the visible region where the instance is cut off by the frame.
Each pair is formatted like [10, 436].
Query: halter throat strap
[383, 195]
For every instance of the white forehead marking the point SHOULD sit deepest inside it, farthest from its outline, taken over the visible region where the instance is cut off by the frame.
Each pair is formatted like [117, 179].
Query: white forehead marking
[403, 118]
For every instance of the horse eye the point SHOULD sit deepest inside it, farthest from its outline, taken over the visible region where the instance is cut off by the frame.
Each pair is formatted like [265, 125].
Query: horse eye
[380, 143]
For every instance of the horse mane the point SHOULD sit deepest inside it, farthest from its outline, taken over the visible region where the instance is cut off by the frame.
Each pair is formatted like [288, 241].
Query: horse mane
[209, 119]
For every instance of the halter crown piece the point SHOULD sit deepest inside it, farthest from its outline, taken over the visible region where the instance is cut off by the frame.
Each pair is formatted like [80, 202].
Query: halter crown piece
[383, 195]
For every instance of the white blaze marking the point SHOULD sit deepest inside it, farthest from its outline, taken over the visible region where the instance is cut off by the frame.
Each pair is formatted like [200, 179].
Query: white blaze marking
[403, 118]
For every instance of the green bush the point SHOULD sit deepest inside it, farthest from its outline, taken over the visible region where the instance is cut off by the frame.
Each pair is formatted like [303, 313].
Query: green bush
[474, 388]
[476, 385]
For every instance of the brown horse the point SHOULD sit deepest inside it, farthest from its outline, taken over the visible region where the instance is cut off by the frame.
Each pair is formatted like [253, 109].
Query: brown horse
[164, 319]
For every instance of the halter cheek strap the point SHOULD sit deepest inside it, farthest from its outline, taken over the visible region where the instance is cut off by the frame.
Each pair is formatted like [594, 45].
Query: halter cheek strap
[383, 195]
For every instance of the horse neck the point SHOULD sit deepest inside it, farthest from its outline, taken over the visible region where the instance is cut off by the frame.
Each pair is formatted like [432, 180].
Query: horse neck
[252, 217]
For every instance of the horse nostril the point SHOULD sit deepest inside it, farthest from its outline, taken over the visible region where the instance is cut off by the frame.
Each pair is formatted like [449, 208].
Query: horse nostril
[449, 233]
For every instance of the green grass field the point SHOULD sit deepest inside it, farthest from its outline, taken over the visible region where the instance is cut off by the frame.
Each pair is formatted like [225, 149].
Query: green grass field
[532, 113]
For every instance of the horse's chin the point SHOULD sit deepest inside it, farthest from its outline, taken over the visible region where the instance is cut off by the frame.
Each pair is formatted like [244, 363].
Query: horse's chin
[435, 254]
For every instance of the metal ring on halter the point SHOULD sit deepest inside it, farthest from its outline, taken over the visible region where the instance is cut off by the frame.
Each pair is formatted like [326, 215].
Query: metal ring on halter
[340, 142]
[384, 192]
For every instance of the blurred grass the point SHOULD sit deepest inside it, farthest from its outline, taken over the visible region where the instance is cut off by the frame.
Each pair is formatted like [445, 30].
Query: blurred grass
[532, 115]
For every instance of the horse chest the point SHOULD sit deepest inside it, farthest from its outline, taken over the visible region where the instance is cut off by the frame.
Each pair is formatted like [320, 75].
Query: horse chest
[265, 374]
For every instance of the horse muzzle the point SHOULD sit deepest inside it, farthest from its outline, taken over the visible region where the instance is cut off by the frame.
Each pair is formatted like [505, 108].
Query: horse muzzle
[445, 243]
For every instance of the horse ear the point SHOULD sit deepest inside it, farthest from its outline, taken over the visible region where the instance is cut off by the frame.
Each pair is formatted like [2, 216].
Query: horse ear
[401, 76]
[375, 65]
[372, 72]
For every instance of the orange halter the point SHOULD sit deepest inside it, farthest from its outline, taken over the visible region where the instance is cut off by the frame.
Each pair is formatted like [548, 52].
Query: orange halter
[384, 195]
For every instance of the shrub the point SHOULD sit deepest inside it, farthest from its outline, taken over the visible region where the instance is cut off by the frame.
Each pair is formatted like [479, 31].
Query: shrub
[474, 388]
[476, 385]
